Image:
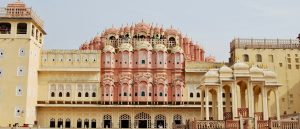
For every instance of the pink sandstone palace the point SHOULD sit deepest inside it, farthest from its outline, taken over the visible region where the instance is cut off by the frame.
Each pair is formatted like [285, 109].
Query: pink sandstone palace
[143, 63]
[138, 76]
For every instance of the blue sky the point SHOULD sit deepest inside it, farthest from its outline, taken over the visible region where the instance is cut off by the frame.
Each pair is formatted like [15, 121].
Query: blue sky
[212, 23]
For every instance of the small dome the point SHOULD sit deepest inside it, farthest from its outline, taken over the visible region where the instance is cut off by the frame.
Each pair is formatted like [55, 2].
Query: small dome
[210, 59]
[177, 49]
[255, 69]
[111, 30]
[270, 74]
[109, 48]
[171, 31]
[225, 69]
[211, 73]
[240, 66]
[160, 47]
[143, 45]
[126, 47]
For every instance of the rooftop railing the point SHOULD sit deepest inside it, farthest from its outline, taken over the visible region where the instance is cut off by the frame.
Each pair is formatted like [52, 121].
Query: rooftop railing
[21, 13]
[117, 42]
[265, 43]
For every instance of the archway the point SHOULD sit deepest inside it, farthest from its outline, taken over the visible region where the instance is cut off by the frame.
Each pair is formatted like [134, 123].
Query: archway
[228, 102]
[160, 121]
[258, 103]
[107, 121]
[214, 104]
[142, 120]
[242, 98]
[125, 121]
[242, 94]
[271, 103]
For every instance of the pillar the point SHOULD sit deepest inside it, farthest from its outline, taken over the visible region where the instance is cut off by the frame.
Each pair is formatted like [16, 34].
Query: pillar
[277, 104]
[234, 100]
[202, 105]
[206, 104]
[265, 103]
[220, 104]
[250, 100]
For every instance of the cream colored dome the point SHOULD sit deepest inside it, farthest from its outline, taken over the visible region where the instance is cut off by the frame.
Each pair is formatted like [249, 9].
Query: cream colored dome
[160, 47]
[225, 69]
[255, 69]
[211, 73]
[240, 66]
[269, 73]
[143, 45]
[177, 49]
[109, 48]
[126, 47]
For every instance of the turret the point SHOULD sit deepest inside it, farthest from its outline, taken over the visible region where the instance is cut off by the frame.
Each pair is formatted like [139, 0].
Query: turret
[21, 40]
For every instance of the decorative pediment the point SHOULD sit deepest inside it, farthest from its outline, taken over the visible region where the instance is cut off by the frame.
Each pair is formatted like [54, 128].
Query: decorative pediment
[178, 82]
[125, 79]
[146, 77]
[107, 80]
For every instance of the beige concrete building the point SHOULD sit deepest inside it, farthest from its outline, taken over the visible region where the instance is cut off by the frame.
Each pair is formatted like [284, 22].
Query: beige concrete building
[279, 55]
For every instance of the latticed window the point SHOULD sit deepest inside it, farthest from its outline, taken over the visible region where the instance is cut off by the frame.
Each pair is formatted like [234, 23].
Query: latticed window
[177, 119]
[142, 118]
[125, 121]
[107, 122]
[160, 121]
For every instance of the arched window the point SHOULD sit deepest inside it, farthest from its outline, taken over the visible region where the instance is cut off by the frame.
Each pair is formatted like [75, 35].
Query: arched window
[258, 58]
[112, 38]
[198, 95]
[86, 123]
[107, 121]
[246, 58]
[68, 123]
[79, 94]
[86, 94]
[125, 94]
[5, 28]
[160, 94]
[60, 122]
[143, 93]
[172, 41]
[52, 94]
[68, 94]
[79, 123]
[177, 119]
[93, 123]
[191, 95]
[60, 94]
[94, 94]
[52, 123]
[21, 28]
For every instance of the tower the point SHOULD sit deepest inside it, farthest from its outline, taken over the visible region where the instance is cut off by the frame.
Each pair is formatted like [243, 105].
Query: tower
[21, 41]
